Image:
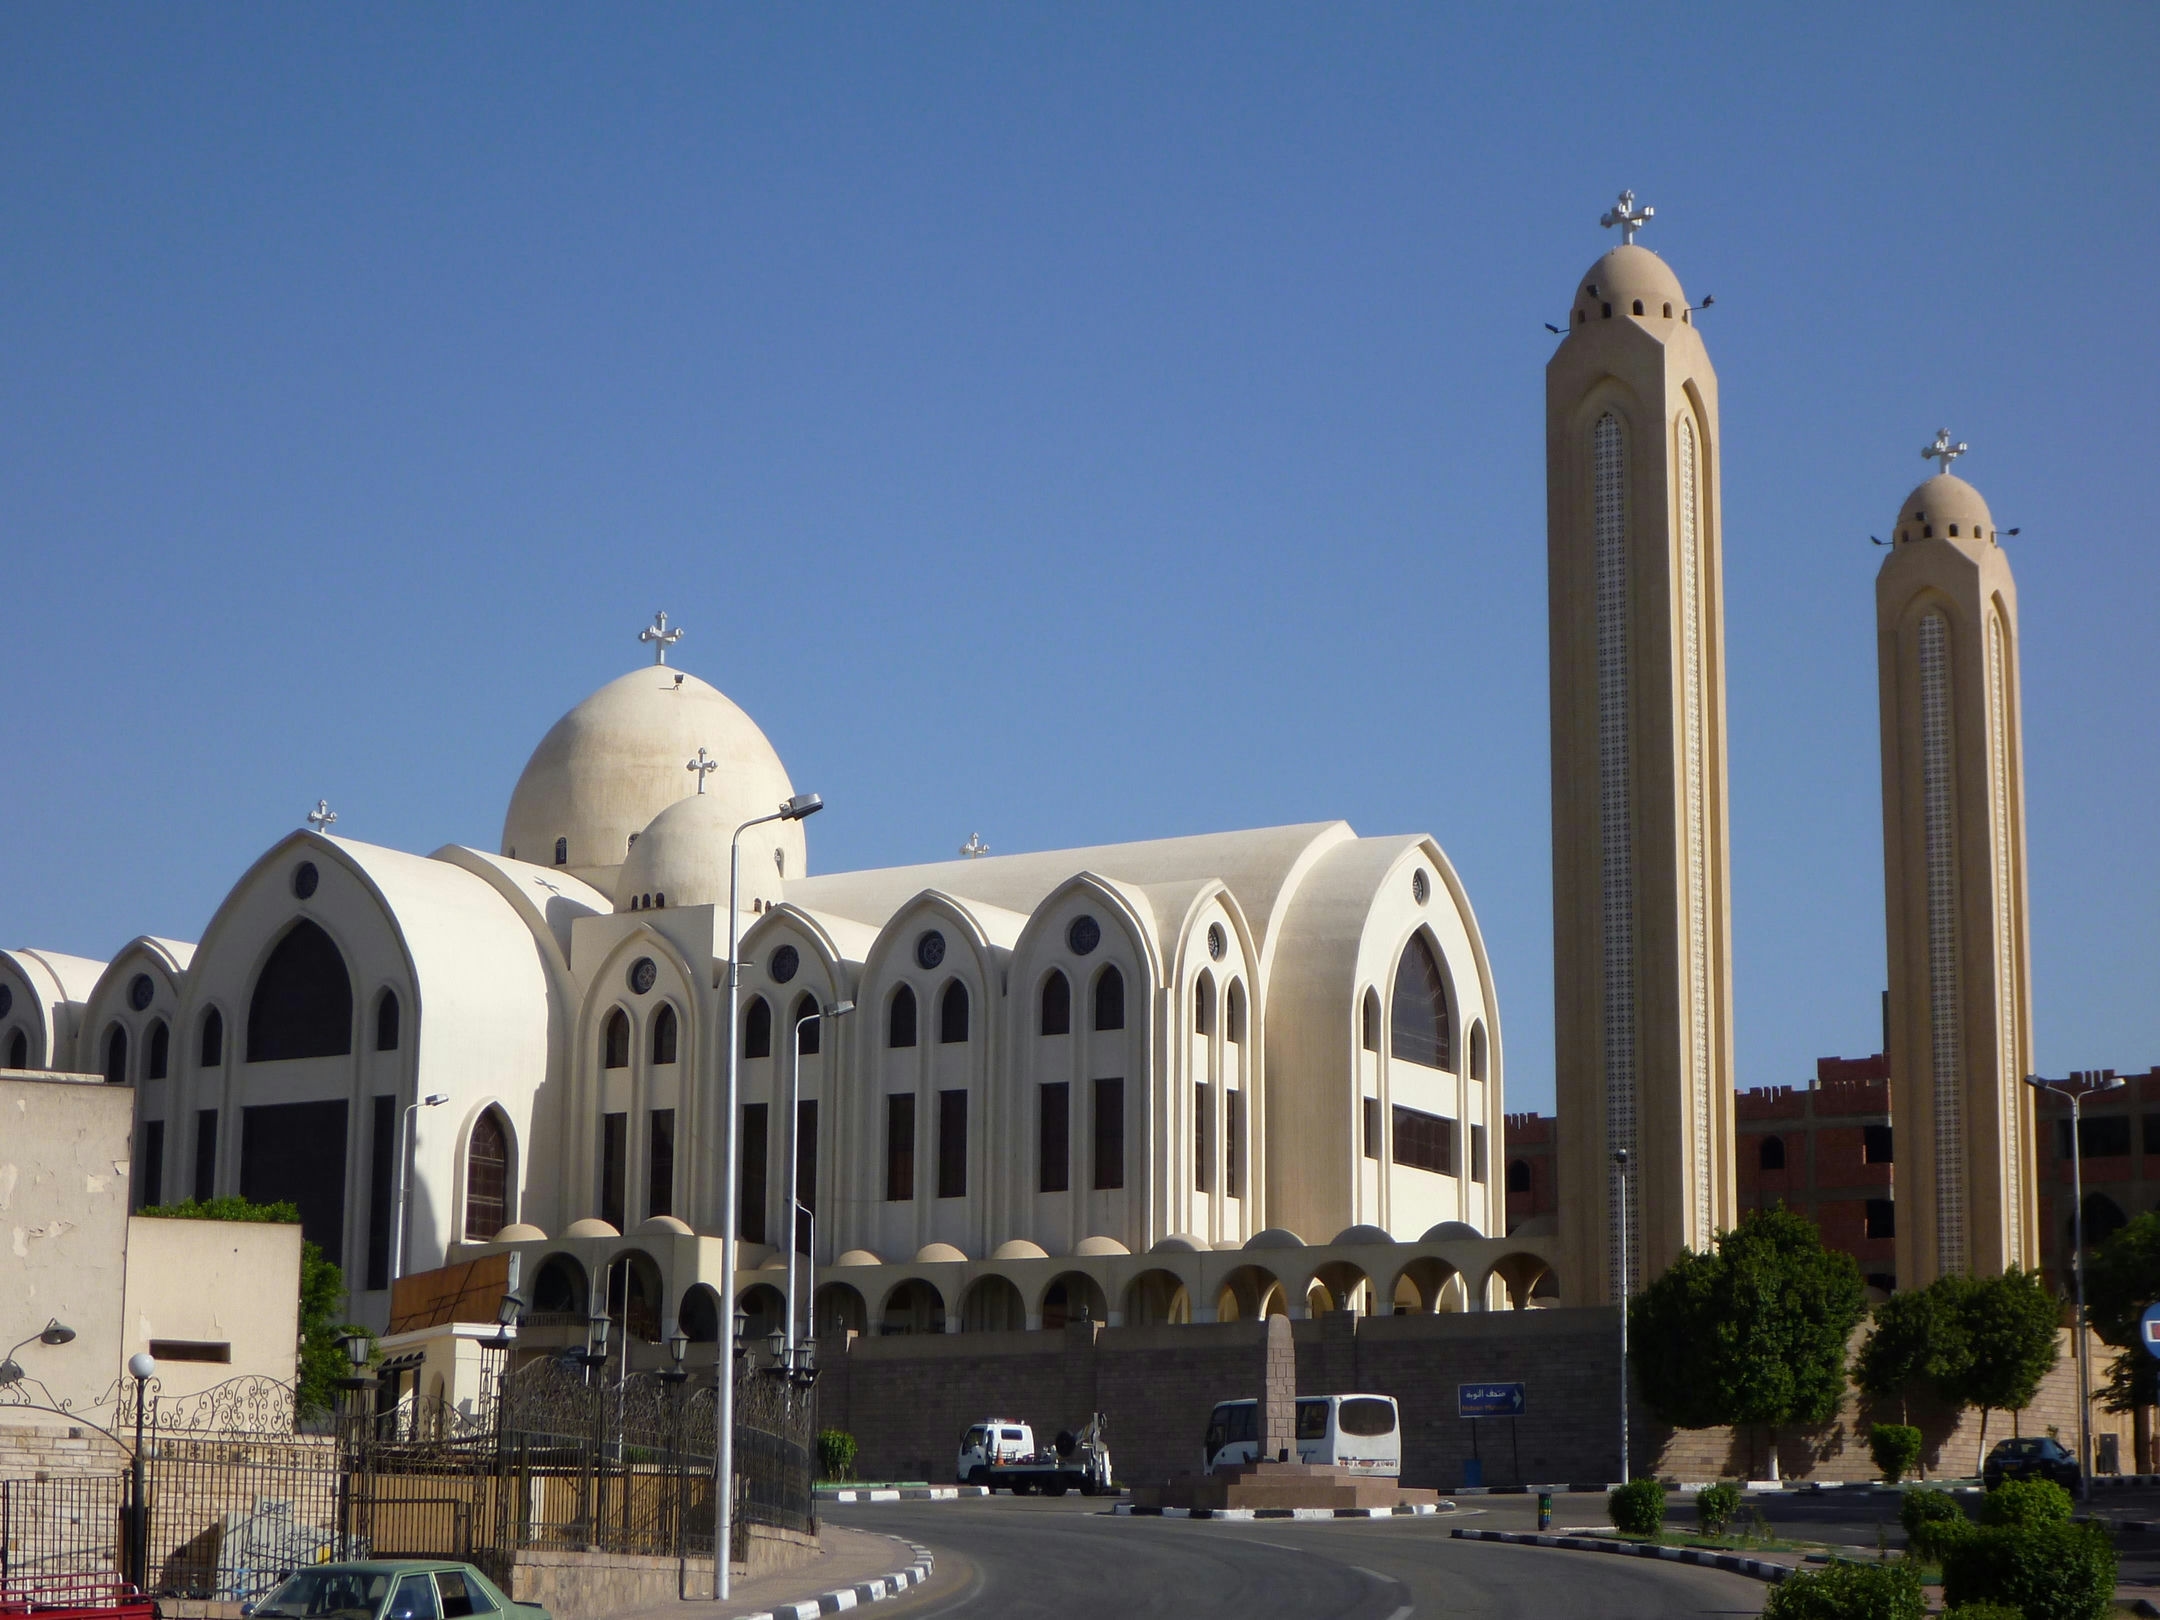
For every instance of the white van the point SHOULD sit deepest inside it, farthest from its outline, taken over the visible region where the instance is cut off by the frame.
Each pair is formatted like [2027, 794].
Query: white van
[994, 1441]
[1362, 1433]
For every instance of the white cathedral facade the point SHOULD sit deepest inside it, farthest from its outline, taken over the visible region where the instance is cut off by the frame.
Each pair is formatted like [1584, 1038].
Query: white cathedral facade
[1139, 1081]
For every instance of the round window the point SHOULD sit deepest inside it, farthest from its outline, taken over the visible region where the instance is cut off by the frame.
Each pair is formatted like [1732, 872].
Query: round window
[930, 948]
[7, 999]
[783, 965]
[1420, 886]
[305, 878]
[1217, 943]
[643, 974]
[1084, 935]
[140, 991]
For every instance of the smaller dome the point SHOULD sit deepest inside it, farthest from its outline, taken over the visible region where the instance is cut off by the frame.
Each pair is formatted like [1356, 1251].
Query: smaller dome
[931, 1254]
[1449, 1231]
[519, 1232]
[659, 1224]
[1019, 1249]
[749, 1256]
[1362, 1233]
[775, 1262]
[1275, 1237]
[1099, 1245]
[590, 1226]
[1620, 280]
[1944, 507]
[681, 858]
[858, 1257]
[1179, 1243]
[1226, 1243]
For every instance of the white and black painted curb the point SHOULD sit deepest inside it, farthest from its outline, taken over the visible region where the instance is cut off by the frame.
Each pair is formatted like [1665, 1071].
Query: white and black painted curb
[905, 1493]
[854, 1597]
[1404, 1511]
[1757, 1568]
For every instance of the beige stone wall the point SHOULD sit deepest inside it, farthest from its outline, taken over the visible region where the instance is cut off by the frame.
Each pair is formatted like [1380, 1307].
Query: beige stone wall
[591, 1586]
[230, 1283]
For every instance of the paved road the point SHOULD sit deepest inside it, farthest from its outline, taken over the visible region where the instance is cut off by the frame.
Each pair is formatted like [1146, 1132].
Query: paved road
[1024, 1557]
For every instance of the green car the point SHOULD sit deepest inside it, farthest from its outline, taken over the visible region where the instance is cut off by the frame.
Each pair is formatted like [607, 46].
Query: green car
[391, 1589]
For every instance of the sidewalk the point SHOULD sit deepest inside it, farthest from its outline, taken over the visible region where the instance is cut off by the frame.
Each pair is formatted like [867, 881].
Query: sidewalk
[844, 1558]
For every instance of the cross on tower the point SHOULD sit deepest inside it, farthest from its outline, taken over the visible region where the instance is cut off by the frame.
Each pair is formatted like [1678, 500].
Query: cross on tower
[974, 848]
[1628, 217]
[1942, 450]
[661, 637]
[701, 765]
[321, 817]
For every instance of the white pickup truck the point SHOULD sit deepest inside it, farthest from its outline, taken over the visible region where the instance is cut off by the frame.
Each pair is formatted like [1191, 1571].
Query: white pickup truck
[1001, 1453]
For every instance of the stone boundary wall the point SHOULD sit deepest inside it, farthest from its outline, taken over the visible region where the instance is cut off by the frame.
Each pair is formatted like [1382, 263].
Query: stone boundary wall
[593, 1585]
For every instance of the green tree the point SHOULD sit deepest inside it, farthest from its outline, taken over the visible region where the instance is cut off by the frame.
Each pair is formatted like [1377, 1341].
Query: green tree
[1909, 1343]
[2122, 1277]
[1752, 1332]
[322, 1297]
[2007, 1328]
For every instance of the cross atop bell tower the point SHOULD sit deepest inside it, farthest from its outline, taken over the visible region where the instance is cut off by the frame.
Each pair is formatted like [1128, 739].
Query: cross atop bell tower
[1942, 450]
[1628, 217]
[661, 637]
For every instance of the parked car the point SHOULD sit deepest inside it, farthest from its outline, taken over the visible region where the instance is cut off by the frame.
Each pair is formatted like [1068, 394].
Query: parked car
[2036, 1457]
[391, 1589]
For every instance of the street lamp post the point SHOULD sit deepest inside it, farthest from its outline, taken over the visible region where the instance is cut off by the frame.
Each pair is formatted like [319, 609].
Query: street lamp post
[2080, 1084]
[405, 1141]
[673, 1375]
[142, 1367]
[839, 1009]
[795, 809]
[1620, 1165]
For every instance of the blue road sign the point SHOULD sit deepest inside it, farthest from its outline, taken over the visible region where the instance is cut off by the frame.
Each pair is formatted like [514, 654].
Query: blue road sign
[2149, 1330]
[1488, 1400]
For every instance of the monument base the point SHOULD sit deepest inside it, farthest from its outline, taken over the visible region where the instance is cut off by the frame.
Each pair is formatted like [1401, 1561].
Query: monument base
[1280, 1485]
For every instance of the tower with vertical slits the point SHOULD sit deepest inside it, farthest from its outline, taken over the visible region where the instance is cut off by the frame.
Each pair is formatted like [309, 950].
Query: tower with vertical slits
[1954, 886]
[1641, 907]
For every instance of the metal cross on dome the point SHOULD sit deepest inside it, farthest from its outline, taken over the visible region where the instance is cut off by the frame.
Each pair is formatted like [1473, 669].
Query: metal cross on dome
[974, 849]
[1628, 217]
[322, 816]
[703, 766]
[661, 637]
[1943, 450]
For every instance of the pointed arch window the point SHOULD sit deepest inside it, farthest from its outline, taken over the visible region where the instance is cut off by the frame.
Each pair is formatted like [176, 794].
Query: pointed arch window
[487, 1177]
[115, 1055]
[159, 1059]
[1056, 1005]
[386, 1022]
[1203, 1006]
[953, 1014]
[210, 1042]
[1110, 999]
[900, 1018]
[757, 1028]
[1418, 1028]
[806, 1006]
[615, 1041]
[1771, 1155]
[1369, 1022]
[303, 1001]
[663, 1035]
[18, 1050]
[1234, 1011]
[1477, 1051]
[562, 852]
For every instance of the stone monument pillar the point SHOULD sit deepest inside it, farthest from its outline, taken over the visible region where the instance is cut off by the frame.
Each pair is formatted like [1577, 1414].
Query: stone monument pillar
[1278, 1393]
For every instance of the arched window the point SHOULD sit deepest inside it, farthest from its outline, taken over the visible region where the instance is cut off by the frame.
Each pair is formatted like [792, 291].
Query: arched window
[386, 1021]
[1477, 1051]
[211, 1042]
[1233, 1012]
[1110, 999]
[805, 1005]
[487, 1177]
[757, 1028]
[559, 1288]
[663, 1035]
[562, 852]
[160, 1054]
[900, 1019]
[615, 1041]
[115, 1055]
[1418, 1028]
[18, 1050]
[953, 1013]
[1203, 1006]
[1057, 1005]
[1518, 1175]
[1771, 1154]
[1369, 1021]
[302, 1006]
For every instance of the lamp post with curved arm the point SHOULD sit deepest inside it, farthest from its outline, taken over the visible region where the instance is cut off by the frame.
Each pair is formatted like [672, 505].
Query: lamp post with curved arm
[839, 1009]
[2081, 1084]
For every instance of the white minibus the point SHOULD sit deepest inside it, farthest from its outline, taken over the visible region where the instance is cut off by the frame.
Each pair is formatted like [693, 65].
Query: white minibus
[1362, 1433]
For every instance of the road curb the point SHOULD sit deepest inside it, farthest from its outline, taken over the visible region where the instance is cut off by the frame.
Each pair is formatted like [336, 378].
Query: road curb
[1125, 1510]
[918, 1493]
[1731, 1563]
[853, 1597]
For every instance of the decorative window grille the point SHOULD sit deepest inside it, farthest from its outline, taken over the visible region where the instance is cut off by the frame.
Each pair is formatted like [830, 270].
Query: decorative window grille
[2007, 1063]
[1698, 837]
[1616, 833]
[1937, 792]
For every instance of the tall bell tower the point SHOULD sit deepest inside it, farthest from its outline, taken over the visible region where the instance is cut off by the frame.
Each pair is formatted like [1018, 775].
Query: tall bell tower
[1642, 954]
[1953, 770]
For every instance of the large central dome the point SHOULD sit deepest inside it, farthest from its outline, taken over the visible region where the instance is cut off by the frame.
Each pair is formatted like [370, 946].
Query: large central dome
[613, 763]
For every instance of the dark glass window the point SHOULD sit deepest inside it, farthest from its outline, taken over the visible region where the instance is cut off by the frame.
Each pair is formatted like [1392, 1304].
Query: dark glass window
[159, 1058]
[151, 1180]
[302, 1006]
[1203, 1136]
[807, 1038]
[900, 1147]
[1477, 1153]
[115, 1055]
[2104, 1137]
[1054, 1138]
[386, 1022]
[205, 1155]
[1770, 1153]
[2103, 1219]
[1477, 1051]
[18, 1050]
[2152, 1130]
[1057, 1005]
[953, 1013]
[212, 1040]
[562, 852]
[295, 1153]
[615, 1041]
[1109, 1134]
[487, 1178]
[1234, 1013]
[757, 1028]
[1424, 1141]
[663, 1038]
[1518, 1175]
[1881, 1219]
[1372, 1127]
[382, 1188]
[750, 1204]
[806, 1144]
[1419, 1030]
[614, 1167]
[900, 1018]
[1369, 1031]
[1233, 1119]
[1110, 999]
[660, 1163]
[1876, 1144]
[1203, 1006]
[952, 1144]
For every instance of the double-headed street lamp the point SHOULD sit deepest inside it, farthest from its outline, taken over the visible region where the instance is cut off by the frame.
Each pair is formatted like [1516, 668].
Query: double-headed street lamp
[795, 809]
[796, 1207]
[2077, 1086]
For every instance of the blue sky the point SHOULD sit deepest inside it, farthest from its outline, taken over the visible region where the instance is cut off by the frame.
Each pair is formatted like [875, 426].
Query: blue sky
[1066, 424]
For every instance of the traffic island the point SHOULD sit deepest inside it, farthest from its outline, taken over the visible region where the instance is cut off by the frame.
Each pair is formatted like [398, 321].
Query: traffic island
[1270, 1485]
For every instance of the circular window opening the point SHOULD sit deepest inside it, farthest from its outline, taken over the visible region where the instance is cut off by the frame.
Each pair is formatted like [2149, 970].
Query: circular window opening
[1420, 886]
[1217, 943]
[930, 948]
[305, 878]
[643, 974]
[1084, 935]
[140, 991]
[783, 964]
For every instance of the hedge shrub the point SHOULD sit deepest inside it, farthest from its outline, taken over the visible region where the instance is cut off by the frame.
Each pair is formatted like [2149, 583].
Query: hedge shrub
[1638, 1507]
[2026, 1502]
[2044, 1571]
[836, 1454]
[1932, 1520]
[1895, 1448]
[1849, 1592]
[1715, 1506]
